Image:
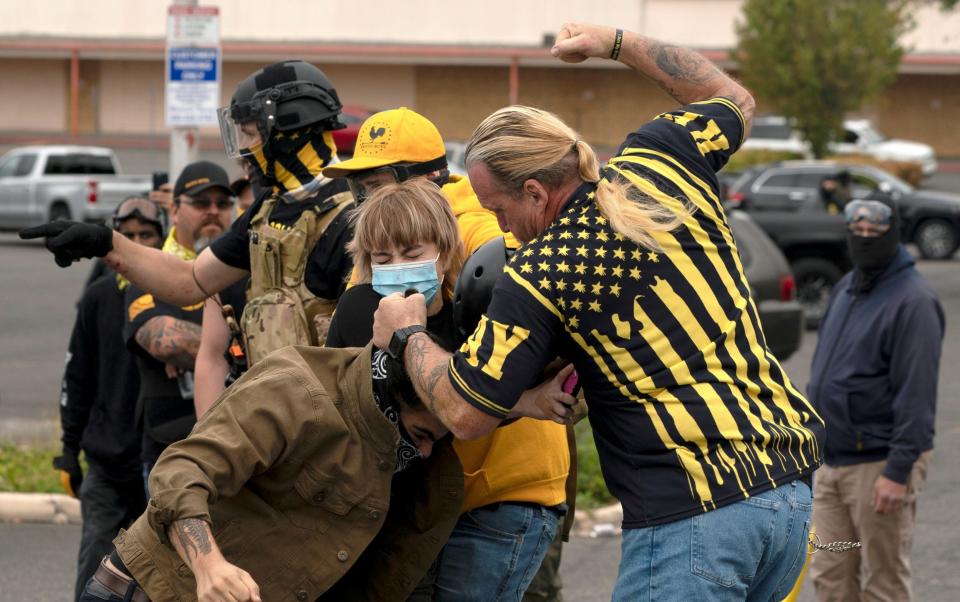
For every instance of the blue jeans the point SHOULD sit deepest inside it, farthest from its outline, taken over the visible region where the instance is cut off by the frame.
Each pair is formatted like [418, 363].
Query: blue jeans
[750, 550]
[494, 552]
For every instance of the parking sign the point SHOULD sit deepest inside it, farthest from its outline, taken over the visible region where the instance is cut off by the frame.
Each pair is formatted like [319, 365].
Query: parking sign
[193, 66]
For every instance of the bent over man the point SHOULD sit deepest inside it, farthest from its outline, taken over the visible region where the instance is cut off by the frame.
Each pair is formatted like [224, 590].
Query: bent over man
[286, 490]
[632, 272]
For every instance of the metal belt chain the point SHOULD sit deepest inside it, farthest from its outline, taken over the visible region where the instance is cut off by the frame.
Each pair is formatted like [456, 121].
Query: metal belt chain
[834, 546]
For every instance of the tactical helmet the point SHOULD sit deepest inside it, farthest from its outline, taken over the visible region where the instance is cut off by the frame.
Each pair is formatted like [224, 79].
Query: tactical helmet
[284, 96]
[474, 287]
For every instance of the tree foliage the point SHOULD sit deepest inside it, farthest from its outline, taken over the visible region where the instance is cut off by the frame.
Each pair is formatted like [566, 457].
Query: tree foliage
[816, 60]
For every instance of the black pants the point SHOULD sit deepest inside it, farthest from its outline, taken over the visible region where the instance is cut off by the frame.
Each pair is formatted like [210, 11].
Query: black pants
[109, 501]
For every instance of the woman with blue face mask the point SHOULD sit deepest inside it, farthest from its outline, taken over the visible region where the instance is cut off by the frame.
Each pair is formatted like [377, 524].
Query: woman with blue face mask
[404, 237]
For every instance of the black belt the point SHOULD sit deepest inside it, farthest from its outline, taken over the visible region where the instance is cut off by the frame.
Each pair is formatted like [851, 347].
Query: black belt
[808, 479]
[559, 508]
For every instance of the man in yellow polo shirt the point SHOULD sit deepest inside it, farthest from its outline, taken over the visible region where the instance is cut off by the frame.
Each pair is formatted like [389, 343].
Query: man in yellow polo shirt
[512, 506]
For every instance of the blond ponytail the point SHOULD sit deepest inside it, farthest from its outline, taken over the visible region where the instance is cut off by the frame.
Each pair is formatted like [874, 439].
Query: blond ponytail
[520, 143]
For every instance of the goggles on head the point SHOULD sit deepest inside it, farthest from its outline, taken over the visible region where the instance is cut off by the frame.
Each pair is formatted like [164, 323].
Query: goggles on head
[363, 184]
[873, 212]
[142, 209]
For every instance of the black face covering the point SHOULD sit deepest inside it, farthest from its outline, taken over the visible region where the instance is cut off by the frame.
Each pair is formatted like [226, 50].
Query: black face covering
[389, 382]
[873, 253]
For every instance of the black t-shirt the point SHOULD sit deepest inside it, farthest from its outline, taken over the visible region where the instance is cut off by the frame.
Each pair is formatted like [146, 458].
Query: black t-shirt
[167, 415]
[329, 264]
[352, 323]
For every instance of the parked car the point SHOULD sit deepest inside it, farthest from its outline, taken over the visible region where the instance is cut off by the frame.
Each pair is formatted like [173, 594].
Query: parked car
[771, 283]
[860, 137]
[346, 138]
[45, 183]
[931, 219]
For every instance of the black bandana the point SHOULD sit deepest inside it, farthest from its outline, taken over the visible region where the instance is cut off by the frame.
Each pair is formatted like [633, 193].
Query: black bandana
[384, 394]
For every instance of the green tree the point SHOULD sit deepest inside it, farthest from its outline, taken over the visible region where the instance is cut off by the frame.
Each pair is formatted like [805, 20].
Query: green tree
[817, 60]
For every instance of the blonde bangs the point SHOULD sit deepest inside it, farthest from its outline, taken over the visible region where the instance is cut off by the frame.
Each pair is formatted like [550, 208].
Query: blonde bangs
[404, 215]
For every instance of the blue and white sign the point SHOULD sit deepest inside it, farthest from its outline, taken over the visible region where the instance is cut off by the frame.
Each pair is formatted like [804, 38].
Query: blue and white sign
[193, 66]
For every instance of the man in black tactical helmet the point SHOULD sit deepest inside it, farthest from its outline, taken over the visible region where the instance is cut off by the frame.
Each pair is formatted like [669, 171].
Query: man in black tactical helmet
[280, 118]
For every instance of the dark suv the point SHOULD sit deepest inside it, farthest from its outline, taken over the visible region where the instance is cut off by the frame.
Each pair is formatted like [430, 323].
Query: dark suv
[931, 219]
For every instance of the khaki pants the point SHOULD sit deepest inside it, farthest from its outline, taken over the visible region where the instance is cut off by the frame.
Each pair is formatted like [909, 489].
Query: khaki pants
[843, 511]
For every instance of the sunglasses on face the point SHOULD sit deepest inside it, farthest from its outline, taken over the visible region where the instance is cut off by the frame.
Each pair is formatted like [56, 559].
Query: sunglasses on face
[204, 204]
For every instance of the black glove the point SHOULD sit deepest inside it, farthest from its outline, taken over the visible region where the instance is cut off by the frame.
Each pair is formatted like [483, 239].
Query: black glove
[71, 475]
[70, 241]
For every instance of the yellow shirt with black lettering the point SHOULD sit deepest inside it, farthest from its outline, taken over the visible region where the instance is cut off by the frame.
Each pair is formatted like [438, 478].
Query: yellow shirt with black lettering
[690, 409]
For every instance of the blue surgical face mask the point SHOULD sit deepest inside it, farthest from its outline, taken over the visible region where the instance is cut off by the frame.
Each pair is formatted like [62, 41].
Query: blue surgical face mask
[398, 277]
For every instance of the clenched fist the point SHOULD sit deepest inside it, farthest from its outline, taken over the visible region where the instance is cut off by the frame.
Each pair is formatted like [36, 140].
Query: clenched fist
[576, 42]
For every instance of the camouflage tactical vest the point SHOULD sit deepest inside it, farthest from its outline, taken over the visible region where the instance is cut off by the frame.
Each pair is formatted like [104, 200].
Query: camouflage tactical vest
[280, 310]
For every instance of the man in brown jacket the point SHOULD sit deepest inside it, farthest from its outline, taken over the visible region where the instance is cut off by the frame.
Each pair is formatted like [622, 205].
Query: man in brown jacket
[300, 481]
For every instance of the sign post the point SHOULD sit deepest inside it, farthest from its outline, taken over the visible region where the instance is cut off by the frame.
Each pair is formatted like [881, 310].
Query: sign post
[192, 77]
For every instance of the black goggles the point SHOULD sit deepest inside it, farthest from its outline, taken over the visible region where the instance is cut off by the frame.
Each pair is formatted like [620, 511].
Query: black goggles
[401, 172]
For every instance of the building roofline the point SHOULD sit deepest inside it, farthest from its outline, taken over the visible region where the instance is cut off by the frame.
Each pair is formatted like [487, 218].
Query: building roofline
[361, 52]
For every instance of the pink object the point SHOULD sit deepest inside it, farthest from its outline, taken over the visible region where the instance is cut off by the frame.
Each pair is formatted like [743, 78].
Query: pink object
[570, 385]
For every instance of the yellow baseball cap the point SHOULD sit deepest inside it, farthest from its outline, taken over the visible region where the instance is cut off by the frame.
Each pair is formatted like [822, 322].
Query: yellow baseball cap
[394, 136]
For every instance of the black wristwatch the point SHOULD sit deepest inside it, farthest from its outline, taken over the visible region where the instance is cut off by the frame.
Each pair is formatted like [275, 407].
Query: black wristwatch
[398, 342]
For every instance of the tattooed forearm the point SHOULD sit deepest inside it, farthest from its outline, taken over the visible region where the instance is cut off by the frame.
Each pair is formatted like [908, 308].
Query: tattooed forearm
[426, 370]
[170, 340]
[193, 535]
[684, 74]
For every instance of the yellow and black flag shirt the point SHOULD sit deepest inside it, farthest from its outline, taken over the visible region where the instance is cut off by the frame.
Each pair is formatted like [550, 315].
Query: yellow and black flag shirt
[690, 410]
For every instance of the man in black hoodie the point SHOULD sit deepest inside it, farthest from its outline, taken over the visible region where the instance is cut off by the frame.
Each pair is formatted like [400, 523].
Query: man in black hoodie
[874, 381]
[98, 400]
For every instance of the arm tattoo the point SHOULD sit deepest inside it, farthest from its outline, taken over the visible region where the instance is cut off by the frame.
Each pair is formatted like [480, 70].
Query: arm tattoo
[682, 64]
[192, 533]
[170, 340]
[424, 383]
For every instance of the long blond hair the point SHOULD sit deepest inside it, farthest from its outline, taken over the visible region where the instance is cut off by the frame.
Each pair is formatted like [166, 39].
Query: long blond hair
[520, 143]
[404, 215]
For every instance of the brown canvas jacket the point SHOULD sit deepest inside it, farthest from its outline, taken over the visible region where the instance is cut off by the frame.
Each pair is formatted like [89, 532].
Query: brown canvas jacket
[293, 467]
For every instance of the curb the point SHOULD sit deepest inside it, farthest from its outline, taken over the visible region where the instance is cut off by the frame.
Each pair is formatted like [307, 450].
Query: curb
[51, 508]
[61, 509]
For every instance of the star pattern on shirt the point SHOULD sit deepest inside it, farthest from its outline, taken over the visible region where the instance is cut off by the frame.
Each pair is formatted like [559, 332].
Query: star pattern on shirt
[583, 266]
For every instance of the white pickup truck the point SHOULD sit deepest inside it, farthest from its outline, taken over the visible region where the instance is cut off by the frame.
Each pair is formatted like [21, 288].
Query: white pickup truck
[45, 183]
[774, 133]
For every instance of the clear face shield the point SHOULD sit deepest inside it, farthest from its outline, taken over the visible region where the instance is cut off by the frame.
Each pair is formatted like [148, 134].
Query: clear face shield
[240, 139]
[362, 186]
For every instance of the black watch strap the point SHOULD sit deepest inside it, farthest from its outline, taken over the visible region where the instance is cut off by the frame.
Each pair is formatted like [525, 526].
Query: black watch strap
[398, 342]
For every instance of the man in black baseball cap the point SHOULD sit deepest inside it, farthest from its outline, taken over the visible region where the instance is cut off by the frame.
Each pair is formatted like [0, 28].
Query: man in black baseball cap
[202, 205]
